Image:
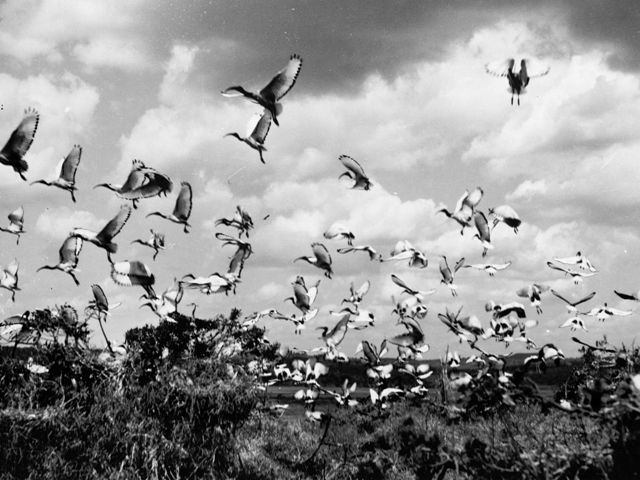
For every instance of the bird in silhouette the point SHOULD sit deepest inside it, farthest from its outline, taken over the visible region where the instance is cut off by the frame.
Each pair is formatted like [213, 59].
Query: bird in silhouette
[66, 172]
[69, 254]
[104, 238]
[13, 152]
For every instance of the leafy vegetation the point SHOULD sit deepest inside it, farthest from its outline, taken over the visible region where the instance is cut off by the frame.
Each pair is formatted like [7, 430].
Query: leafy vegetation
[190, 399]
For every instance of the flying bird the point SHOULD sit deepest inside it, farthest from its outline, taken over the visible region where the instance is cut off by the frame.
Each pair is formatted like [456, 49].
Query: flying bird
[257, 131]
[156, 242]
[16, 223]
[241, 220]
[577, 275]
[490, 268]
[131, 273]
[13, 152]
[506, 215]
[303, 297]
[464, 209]
[104, 238]
[484, 232]
[9, 278]
[167, 303]
[214, 283]
[578, 259]
[420, 294]
[243, 251]
[533, 292]
[448, 275]
[604, 312]
[142, 182]
[404, 250]
[182, 209]
[355, 172]
[332, 337]
[356, 296]
[100, 303]
[320, 258]
[575, 323]
[373, 255]
[273, 92]
[518, 81]
[340, 231]
[69, 254]
[571, 306]
[66, 172]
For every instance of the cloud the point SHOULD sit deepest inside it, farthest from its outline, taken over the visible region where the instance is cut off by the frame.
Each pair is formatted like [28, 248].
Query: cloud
[57, 222]
[95, 34]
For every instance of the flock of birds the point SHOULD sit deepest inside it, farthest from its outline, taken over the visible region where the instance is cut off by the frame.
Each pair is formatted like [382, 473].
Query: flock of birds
[508, 322]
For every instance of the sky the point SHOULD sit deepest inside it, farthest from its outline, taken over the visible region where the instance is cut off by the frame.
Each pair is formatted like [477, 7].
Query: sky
[399, 86]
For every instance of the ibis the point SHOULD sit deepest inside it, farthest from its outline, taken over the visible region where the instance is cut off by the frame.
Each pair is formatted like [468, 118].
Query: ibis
[339, 231]
[373, 255]
[182, 209]
[448, 275]
[16, 223]
[490, 268]
[13, 152]
[241, 220]
[577, 275]
[578, 259]
[572, 305]
[506, 215]
[257, 131]
[156, 242]
[9, 278]
[69, 254]
[104, 238]
[320, 259]
[355, 172]
[533, 292]
[66, 172]
[518, 80]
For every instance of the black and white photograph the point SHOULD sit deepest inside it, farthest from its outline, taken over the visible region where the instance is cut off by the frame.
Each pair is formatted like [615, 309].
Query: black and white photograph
[297, 239]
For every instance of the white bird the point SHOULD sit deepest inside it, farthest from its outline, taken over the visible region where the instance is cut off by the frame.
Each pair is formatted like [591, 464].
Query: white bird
[548, 353]
[339, 231]
[356, 296]
[298, 321]
[385, 395]
[484, 232]
[156, 242]
[574, 322]
[413, 339]
[257, 131]
[467, 328]
[604, 312]
[35, 368]
[577, 275]
[303, 297]
[242, 253]
[104, 238]
[241, 220]
[142, 182]
[452, 359]
[533, 292]
[464, 209]
[182, 210]
[273, 92]
[419, 294]
[373, 255]
[332, 337]
[506, 215]
[372, 354]
[320, 258]
[409, 306]
[167, 303]
[490, 268]
[214, 283]
[404, 250]
[518, 81]
[355, 172]
[69, 254]
[359, 319]
[13, 152]
[343, 398]
[66, 172]
[448, 275]
[578, 259]
[130, 273]
[571, 306]
[9, 278]
[16, 223]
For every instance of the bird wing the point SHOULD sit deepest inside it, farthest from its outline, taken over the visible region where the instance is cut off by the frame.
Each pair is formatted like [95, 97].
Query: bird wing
[567, 260]
[70, 250]
[184, 202]
[258, 127]
[461, 201]
[70, 164]
[473, 199]
[352, 165]
[523, 292]
[132, 273]
[626, 296]
[22, 137]
[458, 264]
[585, 299]
[99, 296]
[401, 283]
[560, 268]
[12, 268]
[154, 183]
[535, 68]
[321, 252]
[567, 301]
[136, 176]
[482, 226]
[364, 288]
[284, 80]
[112, 228]
[501, 266]
[17, 216]
[445, 271]
[619, 313]
[500, 68]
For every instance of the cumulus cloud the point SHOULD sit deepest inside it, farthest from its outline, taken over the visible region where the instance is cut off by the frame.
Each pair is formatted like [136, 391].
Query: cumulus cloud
[57, 222]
